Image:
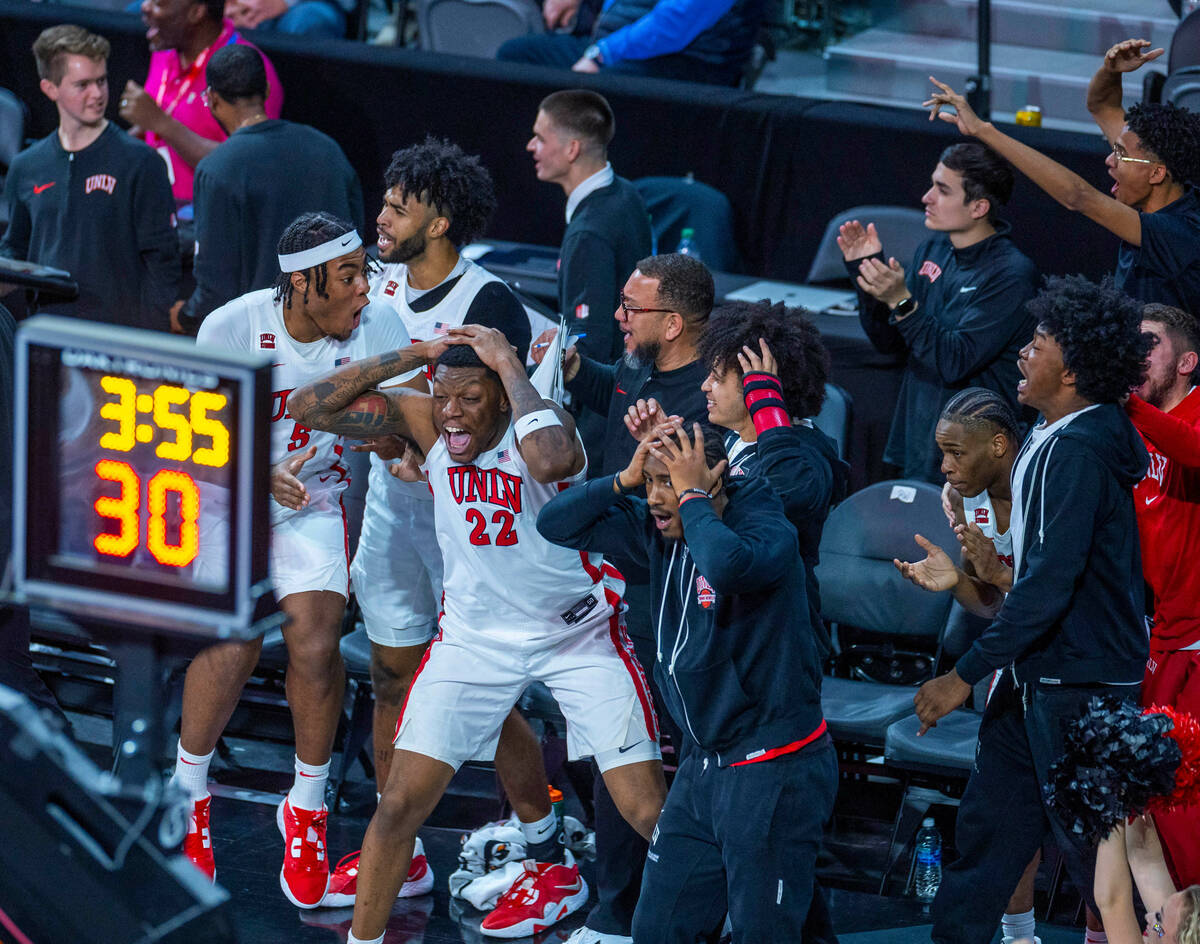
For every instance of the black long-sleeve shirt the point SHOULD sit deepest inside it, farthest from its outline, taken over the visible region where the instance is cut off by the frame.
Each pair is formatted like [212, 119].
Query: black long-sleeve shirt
[968, 328]
[248, 190]
[105, 214]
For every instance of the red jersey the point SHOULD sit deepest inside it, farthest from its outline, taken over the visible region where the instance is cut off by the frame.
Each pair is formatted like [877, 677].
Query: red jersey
[1168, 512]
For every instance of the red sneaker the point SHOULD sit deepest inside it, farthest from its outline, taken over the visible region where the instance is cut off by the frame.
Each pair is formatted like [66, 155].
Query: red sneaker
[304, 876]
[343, 883]
[197, 844]
[544, 895]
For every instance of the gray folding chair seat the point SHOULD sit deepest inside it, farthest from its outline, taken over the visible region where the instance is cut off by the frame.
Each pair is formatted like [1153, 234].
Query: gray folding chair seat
[836, 417]
[948, 748]
[857, 711]
[475, 27]
[901, 230]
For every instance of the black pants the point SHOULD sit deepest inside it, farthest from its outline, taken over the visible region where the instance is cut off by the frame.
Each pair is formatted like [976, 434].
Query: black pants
[742, 840]
[1003, 819]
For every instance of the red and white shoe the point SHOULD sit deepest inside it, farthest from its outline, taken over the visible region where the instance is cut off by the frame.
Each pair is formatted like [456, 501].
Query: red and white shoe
[197, 844]
[544, 895]
[343, 883]
[304, 876]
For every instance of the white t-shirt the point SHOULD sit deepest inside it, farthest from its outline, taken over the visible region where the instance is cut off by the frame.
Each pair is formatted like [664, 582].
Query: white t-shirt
[979, 510]
[501, 576]
[254, 323]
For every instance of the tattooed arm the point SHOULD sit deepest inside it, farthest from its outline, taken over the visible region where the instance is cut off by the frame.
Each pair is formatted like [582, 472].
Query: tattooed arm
[552, 453]
[345, 402]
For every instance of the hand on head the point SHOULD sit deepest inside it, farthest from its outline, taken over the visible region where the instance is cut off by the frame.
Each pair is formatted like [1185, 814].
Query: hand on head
[685, 460]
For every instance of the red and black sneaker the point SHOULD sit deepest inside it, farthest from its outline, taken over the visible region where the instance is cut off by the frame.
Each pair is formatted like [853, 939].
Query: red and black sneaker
[304, 876]
[197, 844]
[544, 895]
[343, 883]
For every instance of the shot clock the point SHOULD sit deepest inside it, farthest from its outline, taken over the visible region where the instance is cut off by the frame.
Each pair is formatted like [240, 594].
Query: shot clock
[140, 477]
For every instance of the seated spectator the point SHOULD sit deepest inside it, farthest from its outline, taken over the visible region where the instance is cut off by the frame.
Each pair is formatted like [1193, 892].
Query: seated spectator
[90, 199]
[316, 18]
[169, 112]
[692, 40]
[1152, 205]
[958, 312]
[248, 185]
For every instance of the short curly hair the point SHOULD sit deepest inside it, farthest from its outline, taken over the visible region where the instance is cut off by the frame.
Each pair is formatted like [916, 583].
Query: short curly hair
[1099, 329]
[439, 174]
[1171, 134]
[800, 356]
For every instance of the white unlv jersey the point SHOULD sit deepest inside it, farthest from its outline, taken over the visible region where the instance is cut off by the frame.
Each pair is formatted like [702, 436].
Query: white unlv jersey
[390, 287]
[501, 576]
[254, 323]
[979, 510]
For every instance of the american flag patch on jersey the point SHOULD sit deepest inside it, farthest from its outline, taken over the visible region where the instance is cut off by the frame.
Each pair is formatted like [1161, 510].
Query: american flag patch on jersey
[340, 361]
[440, 327]
[503, 456]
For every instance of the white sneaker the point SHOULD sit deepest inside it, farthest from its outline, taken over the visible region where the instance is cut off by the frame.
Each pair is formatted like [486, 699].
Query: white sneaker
[1019, 940]
[586, 935]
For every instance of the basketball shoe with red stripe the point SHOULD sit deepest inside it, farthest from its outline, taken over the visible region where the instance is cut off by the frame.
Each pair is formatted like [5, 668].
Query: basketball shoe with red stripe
[343, 883]
[304, 876]
[544, 895]
[197, 844]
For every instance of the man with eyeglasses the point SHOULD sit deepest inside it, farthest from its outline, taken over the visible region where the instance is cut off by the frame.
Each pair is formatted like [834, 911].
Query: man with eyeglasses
[265, 175]
[1155, 163]
[662, 314]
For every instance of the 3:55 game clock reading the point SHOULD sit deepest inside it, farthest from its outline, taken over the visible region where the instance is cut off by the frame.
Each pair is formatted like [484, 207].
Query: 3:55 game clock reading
[140, 482]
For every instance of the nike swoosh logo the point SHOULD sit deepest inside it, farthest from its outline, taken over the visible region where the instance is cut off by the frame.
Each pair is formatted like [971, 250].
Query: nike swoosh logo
[277, 365]
[622, 750]
[349, 239]
[1150, 500]
[967, 288]
[38, 188]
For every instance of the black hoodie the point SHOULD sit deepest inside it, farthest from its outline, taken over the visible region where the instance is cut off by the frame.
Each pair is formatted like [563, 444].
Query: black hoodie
[1075, 613]
[736, 658]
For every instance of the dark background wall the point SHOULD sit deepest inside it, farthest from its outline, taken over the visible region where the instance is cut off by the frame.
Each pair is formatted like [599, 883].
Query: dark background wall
[787, 164]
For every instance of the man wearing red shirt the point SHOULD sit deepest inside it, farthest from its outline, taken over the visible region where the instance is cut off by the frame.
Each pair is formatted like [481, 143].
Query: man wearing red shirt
[170, 111]
[1166, 411]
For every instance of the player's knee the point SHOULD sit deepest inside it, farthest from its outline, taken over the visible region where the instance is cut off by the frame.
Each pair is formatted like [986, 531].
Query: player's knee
[397, 814]
[389, 681]
[315, 655]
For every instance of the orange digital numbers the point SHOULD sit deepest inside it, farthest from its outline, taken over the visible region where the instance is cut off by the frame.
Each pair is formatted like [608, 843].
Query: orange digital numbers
[124, 509]
[173, 414]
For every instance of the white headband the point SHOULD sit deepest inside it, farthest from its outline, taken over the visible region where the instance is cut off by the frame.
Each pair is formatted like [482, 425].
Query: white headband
[307, 258]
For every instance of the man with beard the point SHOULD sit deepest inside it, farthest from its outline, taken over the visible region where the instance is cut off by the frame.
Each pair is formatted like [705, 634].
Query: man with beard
[1166, 411]
[663, 312]
[170, 111]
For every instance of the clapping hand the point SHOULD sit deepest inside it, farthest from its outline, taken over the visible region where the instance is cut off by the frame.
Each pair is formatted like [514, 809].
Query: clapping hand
[981, 552]
[935, 573]
[856, 242]
[286, 487]
[883, 282]
[644, 418]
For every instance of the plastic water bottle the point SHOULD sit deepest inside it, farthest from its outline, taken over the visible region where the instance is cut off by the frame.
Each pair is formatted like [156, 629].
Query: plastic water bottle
[928, 873]
[556, 805]
[687, 243]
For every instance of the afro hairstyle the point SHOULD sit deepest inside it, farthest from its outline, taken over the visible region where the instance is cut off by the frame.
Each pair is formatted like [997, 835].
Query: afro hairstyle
[455, 184]
[1171, 134]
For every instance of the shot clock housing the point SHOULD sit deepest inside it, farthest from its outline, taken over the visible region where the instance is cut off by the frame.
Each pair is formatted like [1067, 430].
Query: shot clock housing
[141, 478]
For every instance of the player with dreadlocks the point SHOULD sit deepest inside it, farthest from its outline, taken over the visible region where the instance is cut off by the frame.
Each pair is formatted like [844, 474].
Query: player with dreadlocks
[315, 318]
[1154, 164]
[1072, 624]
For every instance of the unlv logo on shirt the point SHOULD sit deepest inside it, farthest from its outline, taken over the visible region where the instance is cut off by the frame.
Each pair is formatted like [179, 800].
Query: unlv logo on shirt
[390, 288]
[981, 516]
[105, 182]
[266, 341]
[469, 485]
[931, 270]
[705, 595]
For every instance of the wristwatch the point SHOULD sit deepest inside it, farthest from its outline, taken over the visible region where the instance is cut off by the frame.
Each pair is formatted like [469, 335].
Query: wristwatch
[904, 309]
[593, 52]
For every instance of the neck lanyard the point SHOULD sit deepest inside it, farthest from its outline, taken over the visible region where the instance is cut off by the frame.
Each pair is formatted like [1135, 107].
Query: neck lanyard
[197, 69]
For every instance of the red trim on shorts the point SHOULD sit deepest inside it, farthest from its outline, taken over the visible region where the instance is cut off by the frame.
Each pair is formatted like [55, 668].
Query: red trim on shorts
[786, 749]
[623, 645]
[420, 668]
[345, 542]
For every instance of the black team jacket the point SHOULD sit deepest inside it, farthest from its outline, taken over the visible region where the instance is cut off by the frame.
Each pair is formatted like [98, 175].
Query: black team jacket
[968, 328]
[736, 659]
[1075, 614]
[106, 215]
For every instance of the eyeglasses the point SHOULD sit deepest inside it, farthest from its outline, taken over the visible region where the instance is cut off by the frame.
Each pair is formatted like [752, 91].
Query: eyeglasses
[1156, 926]
[206, 97]
[631, 310]
[1129, 160]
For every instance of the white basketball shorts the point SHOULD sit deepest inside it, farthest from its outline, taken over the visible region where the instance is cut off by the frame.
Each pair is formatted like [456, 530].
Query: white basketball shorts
[308, 552]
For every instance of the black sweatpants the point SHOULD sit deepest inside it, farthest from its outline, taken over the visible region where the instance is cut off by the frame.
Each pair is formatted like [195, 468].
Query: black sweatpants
[742, 840]
[1003, 819]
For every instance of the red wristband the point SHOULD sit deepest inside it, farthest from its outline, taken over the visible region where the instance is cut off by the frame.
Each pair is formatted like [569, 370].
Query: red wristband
[770, 417]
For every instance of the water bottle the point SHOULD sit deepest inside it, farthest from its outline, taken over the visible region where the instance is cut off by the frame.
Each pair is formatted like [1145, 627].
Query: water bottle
[687, 244]
[556, 805]
[928, 874]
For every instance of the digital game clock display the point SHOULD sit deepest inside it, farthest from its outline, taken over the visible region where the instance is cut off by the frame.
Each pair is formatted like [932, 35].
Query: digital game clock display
[141, 477]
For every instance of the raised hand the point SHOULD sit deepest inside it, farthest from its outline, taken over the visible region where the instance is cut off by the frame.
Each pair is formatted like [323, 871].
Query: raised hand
[286, 488]
[964, 117]
[685, 460]
[644, 417]
[761, 361]
[856, 242]
[883, 282]
[981, 552]
[935, 573]
[139, 109]
[632, 476]
[1129, 55]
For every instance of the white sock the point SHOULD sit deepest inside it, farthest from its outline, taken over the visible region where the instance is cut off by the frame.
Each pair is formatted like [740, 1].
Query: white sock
[191, 772]
[351, 939]
[1017, 925]
[543, 829]
[308, 791]
[1094, 937]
